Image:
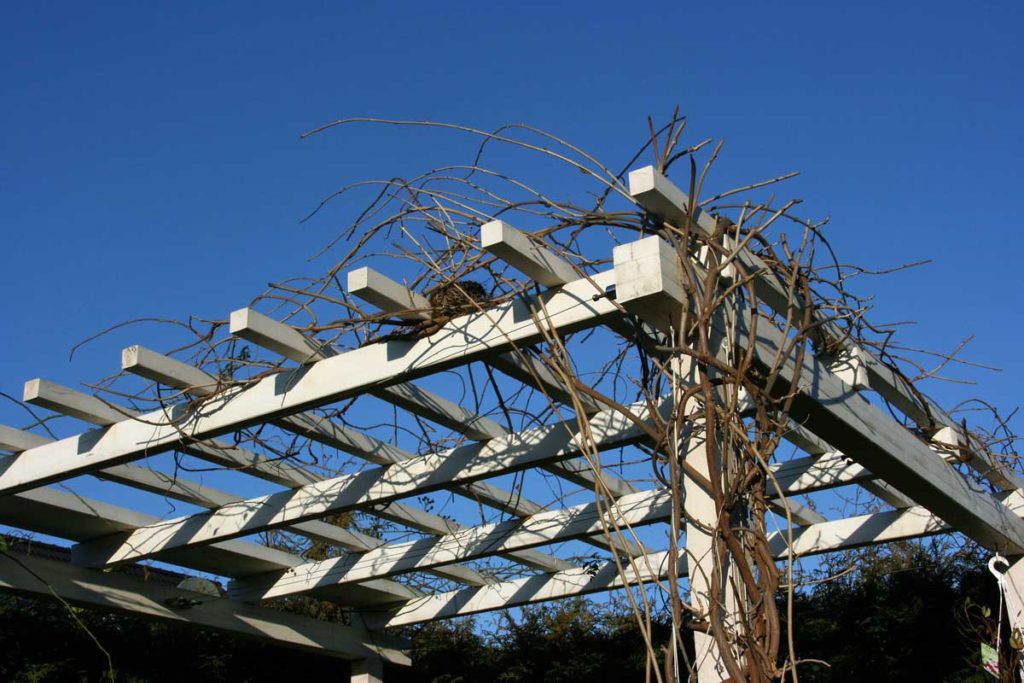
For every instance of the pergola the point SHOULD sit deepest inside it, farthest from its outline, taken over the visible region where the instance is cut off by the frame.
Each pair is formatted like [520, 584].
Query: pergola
[841, 432]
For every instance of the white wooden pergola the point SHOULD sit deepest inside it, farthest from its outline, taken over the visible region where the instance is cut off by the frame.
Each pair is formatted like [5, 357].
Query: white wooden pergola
[843, 435]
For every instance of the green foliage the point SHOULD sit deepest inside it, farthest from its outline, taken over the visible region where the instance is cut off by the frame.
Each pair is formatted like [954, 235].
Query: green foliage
[575, 640]
[892, 619]
[895, 617]
[40, 642]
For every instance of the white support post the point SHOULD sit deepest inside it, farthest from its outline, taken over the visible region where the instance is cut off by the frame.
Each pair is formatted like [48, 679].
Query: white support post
[702, 520]
[710, 574]
[648, 285]
[368, 670]
[1013, 588]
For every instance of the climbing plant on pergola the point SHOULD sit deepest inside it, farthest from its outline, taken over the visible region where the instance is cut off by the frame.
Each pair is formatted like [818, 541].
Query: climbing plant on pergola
[606, 386]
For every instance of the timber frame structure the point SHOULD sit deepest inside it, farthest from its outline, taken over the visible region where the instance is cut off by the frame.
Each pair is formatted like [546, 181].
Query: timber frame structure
[841, 433]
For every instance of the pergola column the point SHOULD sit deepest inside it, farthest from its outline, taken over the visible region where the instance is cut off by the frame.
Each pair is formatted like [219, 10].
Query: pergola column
[369, 670]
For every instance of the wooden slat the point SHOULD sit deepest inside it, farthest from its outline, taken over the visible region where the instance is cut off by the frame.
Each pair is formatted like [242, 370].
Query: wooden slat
[650, 283]
[547, 527]
[660, 196]
[461, 341]
[379, 485]
[528, 257]
[27, 575]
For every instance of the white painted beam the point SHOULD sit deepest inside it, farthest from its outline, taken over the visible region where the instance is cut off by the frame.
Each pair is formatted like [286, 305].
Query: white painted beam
[532, 372]
[392, 297]
[548, 269]
[388, 295]
[871, 529]
[843, 534]
[61, 399]
[438, 409]
[516, 248]
[650, 284]
[178, 488]
[91, 409]
[124, 593]
[289, 342]
[538, 588]
[380, 485]
[179, 375]
[176, 374]
[77, 518]
[17, 440]
[461, 341]
[547, 527]
[168, 371]
[809, 443]
[660, 196]
[67, 401]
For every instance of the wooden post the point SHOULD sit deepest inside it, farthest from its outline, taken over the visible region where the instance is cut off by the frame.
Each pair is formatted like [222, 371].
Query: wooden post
[699, 508]
[369, 670]
[701, 520]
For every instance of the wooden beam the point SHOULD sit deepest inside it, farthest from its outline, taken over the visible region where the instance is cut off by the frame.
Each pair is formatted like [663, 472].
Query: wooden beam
[388, 295]
[461, 341]
[379, 485]
[91, 409]
[533, 589]
[660, 196]
[77, 518]
[289, 342]
[177, 374]
[509, 242]
[37, 577]
[523, 366]
[579, 521]
[809, 443]
[516, 248]
[875, 528]
[649, 283]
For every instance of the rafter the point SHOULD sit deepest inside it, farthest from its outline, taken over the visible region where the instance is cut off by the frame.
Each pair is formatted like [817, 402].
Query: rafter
[650, 283]
[28, 575]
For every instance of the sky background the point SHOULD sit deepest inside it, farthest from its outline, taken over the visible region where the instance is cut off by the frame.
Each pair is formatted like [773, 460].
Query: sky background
[151, 166]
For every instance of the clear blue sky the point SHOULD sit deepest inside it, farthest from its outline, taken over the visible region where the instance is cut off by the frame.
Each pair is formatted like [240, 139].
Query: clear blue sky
[150, 161]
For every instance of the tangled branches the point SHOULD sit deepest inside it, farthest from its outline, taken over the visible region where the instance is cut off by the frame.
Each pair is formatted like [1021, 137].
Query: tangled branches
[713, 408]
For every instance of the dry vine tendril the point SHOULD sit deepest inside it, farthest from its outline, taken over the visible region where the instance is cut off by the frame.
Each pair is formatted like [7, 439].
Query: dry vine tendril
[711, 412]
